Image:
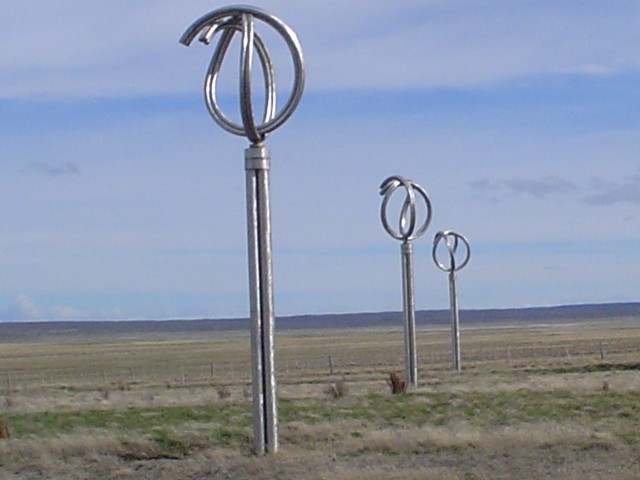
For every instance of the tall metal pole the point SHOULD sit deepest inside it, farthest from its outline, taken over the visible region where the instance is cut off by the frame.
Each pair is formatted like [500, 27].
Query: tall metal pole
[257, 163]
[229, 21]
[409, 309]
[406, 233]
[452, 241]
[455, 321]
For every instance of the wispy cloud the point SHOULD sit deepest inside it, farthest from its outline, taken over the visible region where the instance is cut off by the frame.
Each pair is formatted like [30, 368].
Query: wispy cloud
[68, 168]
[599, 191]
[542, 187]
[609, 192]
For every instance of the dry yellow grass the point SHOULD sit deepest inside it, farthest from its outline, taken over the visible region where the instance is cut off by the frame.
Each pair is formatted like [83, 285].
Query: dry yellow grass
[544, 414]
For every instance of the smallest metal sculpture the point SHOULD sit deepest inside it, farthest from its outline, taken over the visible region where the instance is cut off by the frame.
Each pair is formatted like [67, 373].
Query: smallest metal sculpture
[452, 241]
[407, 232]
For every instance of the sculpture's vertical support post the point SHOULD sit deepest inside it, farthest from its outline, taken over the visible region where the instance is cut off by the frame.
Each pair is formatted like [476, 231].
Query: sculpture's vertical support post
[409, 308]
[257, 163]
[407, 232]
[229, 21]
[455, 321]
[452, 241]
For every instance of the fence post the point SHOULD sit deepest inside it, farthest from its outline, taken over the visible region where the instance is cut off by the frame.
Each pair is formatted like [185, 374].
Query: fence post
[601, 351]
[330, 365]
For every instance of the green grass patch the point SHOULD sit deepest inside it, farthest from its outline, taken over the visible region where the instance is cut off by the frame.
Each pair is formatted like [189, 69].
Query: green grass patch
[480, 409]
[143, 420]
[229, 424]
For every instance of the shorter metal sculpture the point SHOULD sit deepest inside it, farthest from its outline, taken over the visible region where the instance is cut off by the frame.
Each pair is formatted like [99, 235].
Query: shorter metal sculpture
[407, 232]
[452, 241]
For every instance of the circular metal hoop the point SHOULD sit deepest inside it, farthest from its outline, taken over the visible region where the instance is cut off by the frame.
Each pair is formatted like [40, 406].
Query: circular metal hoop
[240, 19]
[407, 223]
[452, 241]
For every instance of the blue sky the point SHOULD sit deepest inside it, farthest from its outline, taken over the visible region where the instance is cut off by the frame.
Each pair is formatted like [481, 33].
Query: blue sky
[120, 198]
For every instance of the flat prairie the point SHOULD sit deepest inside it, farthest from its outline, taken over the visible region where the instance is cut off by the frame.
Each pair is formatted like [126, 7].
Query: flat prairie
[541, 401]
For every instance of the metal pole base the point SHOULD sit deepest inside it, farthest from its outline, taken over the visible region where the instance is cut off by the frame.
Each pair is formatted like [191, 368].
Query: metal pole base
[455, 322]
[265, 415]
[411, 356]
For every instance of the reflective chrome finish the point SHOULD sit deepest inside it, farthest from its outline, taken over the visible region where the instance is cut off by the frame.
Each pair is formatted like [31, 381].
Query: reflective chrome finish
[407, 232]
[452, 241]
[228, 21]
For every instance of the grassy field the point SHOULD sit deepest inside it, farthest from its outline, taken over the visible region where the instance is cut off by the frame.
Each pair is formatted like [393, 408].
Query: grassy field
[543, 401]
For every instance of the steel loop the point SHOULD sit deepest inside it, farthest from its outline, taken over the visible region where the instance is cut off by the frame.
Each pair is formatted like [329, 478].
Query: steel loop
[408, 218]
[240, 19]
[452, 241]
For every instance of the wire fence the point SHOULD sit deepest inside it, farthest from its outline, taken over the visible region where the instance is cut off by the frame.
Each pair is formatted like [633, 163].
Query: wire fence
[300, 367]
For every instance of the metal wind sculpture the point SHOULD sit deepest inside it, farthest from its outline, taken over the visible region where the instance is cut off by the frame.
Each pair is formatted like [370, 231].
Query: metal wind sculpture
[452, 241]
[227, 22]
[407, 232]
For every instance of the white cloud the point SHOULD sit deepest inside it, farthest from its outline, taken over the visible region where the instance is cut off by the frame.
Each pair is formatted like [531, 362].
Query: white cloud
[69, 48]
[23, 308]
[471, 44]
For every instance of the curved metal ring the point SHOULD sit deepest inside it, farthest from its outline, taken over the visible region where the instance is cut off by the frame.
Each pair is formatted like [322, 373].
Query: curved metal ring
[407, 224]
[452, 241]
[229, 28]
[230, 20]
